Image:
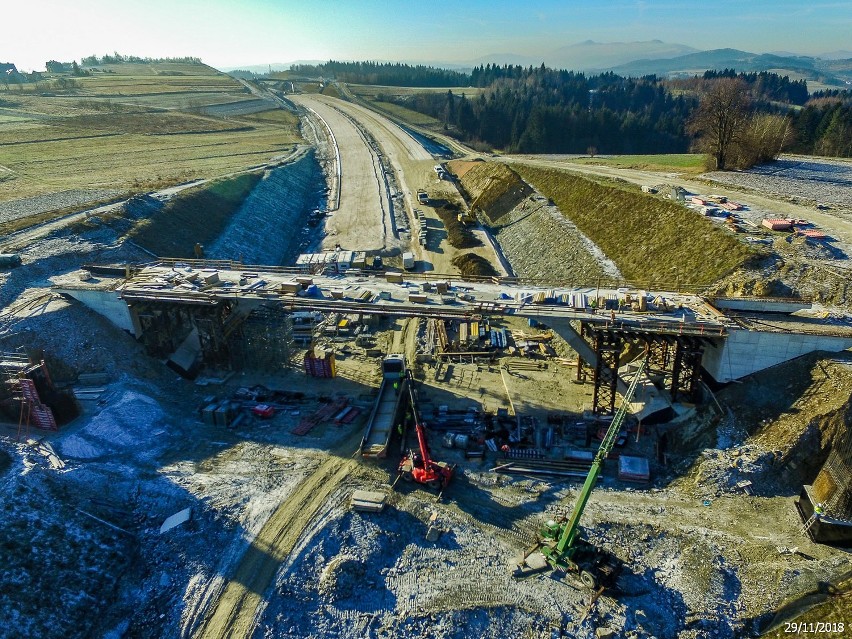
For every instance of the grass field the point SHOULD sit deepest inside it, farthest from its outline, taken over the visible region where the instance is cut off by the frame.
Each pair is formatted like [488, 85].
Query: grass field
[689, 163]
[134, 129]
[650, 239]
[406, 115]
[374, 94]
[370, 91]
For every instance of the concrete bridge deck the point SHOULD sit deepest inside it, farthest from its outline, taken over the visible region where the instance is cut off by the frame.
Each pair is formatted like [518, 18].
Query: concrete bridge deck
[739, 337]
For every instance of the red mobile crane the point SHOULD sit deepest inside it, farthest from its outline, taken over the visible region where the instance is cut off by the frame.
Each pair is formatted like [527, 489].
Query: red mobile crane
[419, 466]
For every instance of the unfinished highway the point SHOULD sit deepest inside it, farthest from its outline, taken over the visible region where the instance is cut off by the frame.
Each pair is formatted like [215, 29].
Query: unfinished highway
[361, 220]
[376, 197]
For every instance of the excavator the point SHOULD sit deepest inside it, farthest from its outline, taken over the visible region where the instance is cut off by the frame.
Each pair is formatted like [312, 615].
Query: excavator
[560, 542]
[418, 466]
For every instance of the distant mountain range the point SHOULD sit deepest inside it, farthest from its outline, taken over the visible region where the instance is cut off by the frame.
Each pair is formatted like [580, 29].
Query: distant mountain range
[828, 72]
[590, 55]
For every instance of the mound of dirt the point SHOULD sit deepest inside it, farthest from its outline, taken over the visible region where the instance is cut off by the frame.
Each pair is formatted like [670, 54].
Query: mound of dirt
[494, 189]
[795, 270]
[472, 264]
[780, 427]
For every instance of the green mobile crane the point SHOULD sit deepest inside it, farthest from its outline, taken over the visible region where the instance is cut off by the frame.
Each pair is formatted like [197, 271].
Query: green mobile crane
[560, 542]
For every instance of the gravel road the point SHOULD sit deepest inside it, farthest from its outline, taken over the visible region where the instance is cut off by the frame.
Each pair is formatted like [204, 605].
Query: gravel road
[806, 180]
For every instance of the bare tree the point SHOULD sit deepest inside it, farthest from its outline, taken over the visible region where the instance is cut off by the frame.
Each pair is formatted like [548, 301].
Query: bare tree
[762, 140]
[721, 118]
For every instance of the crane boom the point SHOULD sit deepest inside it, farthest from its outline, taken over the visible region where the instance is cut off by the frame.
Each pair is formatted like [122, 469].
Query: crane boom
[560, 542]
[569, 533]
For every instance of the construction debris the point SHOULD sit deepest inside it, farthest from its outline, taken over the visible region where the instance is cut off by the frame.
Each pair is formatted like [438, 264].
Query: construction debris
[180, 517]
[368, 501]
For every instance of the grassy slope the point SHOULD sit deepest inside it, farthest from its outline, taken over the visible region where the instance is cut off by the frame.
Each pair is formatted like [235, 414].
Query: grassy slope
[114, 131]
[650, 239]
[198, 215]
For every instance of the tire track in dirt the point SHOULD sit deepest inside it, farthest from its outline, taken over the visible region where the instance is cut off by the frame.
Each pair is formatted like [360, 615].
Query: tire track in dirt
[234, 614]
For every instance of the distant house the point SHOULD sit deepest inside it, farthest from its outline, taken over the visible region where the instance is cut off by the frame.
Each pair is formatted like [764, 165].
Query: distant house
[8, 68]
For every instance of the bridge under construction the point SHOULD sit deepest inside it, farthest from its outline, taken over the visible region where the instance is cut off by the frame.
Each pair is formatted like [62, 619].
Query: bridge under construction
[192, 311]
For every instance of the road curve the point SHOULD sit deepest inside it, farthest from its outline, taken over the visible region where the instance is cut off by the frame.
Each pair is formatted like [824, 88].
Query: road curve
[234, 614]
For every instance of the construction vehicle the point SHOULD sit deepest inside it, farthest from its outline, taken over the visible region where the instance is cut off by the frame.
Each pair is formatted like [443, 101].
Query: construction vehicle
[560, 542]
[388, 411]
[418, 466]
[466, 217]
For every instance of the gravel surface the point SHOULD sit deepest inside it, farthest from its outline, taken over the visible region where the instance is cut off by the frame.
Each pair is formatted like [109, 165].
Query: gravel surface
[15, 209]
[811, 180]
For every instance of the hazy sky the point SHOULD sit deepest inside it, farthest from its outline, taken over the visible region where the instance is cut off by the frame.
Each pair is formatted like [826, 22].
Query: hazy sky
[228, 33]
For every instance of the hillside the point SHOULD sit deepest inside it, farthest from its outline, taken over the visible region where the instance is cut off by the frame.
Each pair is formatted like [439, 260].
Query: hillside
[128, 128]
[648, 238]
[828, 72]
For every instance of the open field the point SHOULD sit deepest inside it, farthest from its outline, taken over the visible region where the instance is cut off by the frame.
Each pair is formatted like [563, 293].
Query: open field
[370, 91]
[134, 129]
[377, 97]
[406, 115]
[686, 163]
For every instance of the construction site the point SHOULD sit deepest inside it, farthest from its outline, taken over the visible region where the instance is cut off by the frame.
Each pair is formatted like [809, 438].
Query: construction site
[350, 435]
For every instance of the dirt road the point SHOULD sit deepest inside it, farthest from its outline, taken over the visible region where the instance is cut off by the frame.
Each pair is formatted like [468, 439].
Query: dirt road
[413, 169]
[234, 613]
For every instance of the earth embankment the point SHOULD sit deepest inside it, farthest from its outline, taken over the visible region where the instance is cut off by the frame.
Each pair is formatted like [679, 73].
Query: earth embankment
[648, 238]
[270, 225]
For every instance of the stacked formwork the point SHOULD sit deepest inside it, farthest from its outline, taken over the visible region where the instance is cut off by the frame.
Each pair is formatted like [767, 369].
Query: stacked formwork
[320, 364]
[18, 372]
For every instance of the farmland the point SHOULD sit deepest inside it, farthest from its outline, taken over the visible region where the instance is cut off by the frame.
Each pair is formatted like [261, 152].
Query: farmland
[132, 127]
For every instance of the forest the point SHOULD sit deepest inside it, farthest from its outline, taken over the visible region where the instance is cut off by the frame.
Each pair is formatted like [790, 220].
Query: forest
[384, 73]
[540, 110]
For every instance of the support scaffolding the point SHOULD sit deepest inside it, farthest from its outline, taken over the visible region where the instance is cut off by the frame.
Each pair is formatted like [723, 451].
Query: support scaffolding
[264, 341]
[608, 350]
[686, 370]
[676, 355]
